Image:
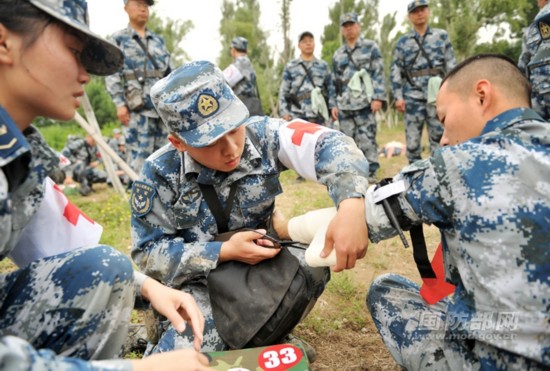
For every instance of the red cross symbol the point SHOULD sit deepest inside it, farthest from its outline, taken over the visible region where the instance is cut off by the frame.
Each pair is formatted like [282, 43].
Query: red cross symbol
[71, 212]
[300, 129]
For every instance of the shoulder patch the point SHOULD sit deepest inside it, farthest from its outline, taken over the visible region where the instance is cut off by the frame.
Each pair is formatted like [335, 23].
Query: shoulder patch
[141, 200]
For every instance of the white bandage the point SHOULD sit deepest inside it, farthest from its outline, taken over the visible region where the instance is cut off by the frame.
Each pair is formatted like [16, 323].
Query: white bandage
[311, 229]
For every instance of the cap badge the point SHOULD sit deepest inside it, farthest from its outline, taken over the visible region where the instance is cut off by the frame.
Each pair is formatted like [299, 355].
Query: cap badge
[207, 105]
[544, 30]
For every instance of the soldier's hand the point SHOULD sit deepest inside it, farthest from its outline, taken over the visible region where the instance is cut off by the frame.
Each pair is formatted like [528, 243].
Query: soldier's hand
[334, 113]
[248, 247]
[348, 234]
[375, 106]
[182, 359]
[287, 117]
[400, 105]
[179, 307]
[123, 115]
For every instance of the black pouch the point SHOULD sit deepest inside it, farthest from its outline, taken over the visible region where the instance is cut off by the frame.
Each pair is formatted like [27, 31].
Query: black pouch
[258, 305]
[134, 98]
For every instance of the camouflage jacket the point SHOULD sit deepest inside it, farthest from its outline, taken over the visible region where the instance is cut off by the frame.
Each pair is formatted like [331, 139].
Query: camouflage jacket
[173, 228]
[136, 63]
[25, 161]
[534, 60]
[490, 198]
[247, 86]
[295, 81]
[410, 69]
[346, 61]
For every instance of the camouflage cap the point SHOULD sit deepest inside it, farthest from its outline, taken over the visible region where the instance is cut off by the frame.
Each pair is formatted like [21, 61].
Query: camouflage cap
[416, 4]
[349, 18]
[99, 56]
[149, 2]
[240, 43]
[305, 34]
[195, 102]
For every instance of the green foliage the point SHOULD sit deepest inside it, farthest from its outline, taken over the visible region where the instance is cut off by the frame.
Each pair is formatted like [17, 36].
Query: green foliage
[467, 20]
[56, 134]
[242, 18]
[173, 32]
[104, 108]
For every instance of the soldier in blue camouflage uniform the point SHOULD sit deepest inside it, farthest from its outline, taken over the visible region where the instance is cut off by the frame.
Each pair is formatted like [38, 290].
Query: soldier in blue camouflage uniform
[130, 86]
[245, 87]
[69, 311]
[534, 60]
[214, 141]
[84, 157]
[420, 58]
[301, 77]
[358, 71]
[487, 192]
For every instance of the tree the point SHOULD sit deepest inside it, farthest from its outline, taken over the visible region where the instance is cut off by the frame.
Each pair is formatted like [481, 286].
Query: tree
[288, 50]
[173, 32]
[242, 18]
[468, 21]
[104, 108]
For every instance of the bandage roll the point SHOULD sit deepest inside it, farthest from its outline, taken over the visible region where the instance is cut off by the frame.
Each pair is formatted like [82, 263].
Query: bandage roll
[310, 229]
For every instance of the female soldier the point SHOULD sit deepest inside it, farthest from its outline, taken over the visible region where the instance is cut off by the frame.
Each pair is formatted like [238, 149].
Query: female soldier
[70, 310]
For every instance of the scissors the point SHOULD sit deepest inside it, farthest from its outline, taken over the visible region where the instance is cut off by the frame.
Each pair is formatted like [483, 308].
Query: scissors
[277, 244]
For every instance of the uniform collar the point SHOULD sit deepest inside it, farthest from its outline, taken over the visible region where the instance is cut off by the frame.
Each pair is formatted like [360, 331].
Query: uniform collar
[509, 118]
[12, 141]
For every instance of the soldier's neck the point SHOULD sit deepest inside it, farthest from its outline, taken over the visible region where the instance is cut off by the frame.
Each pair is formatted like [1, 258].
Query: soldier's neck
[306, 57]
[421, 30]
[139, 28]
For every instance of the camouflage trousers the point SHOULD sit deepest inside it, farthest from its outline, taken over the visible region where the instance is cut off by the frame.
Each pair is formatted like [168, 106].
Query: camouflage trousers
[87, 176]
[418, 337]
[361, 126]
[170, 339]
[143, 137]
[77, 304]
[417, 114]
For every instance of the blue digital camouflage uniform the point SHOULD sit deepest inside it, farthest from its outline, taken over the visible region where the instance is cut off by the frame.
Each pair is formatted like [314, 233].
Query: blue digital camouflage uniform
[145, 133]
[81, 155]
[355, 117]
[173, 241]
[172, 226]
[534, 61]
[247, 86]
[76, 304]
[295, 81]
[489, 197]
[410, 73]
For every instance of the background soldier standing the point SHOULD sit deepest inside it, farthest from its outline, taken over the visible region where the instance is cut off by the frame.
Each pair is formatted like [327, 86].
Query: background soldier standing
[421, 54]
[301, 77]
[146, 60]
[359, 81]
[534, 61]
[241, 77]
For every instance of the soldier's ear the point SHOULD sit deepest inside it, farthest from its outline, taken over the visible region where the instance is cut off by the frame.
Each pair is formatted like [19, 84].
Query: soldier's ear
[177, 142]
[5, 45]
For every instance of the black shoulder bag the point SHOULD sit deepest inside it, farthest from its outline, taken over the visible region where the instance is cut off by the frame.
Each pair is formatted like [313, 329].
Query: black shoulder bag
[258, 305]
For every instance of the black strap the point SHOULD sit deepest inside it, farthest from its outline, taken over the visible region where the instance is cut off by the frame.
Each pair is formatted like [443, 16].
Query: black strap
[423, 51]
[351, 58]
[420, 252]
[138, 40]
[308, 75]
[220, 214]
